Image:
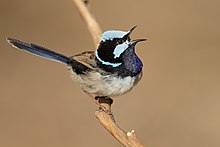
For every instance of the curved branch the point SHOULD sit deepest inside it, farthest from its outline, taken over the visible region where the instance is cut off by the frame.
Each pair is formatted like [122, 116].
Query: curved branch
[103, 114]
[128, 139]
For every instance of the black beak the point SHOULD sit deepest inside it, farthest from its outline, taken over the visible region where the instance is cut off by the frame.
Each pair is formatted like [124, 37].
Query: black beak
[129, 33]
[131, 30]
[134, 42]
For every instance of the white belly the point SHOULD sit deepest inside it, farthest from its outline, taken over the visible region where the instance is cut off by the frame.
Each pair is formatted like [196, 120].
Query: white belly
[107, 85]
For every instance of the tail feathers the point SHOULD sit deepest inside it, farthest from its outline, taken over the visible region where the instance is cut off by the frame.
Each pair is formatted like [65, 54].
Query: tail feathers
[39, 51]
[77, 67]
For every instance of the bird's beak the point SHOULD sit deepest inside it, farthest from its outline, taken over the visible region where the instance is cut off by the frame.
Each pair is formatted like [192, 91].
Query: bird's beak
[129, 33]
[134, 42]
[131, 30]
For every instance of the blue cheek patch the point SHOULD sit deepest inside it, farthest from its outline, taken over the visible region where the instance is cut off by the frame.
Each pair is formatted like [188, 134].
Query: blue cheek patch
[107, 63]
[119, 49]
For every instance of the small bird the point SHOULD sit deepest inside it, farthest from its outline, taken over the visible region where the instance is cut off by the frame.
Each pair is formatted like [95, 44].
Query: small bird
[112, 70]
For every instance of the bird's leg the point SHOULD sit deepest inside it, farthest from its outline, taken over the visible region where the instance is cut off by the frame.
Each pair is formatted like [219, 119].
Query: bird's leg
[103, 102]
[104, 99]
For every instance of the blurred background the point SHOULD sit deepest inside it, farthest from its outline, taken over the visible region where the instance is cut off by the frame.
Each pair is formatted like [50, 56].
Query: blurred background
[176, 103]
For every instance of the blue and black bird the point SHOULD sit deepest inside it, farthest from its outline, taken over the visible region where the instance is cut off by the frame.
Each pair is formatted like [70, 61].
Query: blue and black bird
[112, 70]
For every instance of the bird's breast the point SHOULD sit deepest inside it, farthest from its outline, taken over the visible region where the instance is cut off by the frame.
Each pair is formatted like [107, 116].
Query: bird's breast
[106, 85]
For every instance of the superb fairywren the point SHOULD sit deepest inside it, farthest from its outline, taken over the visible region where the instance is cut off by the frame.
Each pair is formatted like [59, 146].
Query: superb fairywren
[112, 70]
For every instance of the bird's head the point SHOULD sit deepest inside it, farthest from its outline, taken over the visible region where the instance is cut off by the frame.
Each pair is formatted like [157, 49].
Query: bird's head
[116, 48]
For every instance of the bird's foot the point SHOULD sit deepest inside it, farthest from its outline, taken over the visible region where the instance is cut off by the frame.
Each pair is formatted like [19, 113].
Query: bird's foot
[104, 100]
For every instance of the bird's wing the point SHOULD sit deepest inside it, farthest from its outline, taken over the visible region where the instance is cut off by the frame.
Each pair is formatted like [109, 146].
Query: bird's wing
[87, 58]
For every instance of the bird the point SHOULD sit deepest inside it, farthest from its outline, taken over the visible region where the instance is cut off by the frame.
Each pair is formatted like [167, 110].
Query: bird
[113, 69]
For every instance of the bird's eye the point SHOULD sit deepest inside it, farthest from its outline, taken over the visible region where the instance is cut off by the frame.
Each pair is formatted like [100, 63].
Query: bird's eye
[120, 41]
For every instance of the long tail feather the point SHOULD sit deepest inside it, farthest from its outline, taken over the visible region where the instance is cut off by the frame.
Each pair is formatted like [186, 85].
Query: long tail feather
[38, 50]
[77, 67]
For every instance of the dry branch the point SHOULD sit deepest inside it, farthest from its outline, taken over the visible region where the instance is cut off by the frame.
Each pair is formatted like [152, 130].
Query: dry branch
[103, 114]
[92, 25]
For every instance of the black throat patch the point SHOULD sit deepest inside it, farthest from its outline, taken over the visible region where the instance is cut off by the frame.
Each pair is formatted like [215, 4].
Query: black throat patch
[105, 51]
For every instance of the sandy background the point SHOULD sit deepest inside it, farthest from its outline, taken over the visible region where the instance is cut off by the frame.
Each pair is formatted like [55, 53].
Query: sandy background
[177, 104]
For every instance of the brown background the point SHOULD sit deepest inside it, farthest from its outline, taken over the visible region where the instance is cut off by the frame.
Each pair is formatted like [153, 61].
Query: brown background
[177, 104]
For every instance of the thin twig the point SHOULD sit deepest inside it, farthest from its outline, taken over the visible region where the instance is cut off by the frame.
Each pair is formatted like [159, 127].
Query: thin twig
[92, 25]
[103, 114]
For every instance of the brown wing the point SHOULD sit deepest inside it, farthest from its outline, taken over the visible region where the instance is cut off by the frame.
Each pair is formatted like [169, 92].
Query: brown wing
[87, 58]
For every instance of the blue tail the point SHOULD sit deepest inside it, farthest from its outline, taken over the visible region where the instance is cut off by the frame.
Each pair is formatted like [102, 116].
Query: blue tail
[38, 50]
